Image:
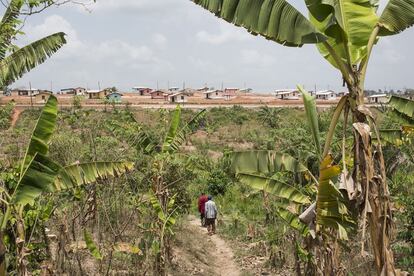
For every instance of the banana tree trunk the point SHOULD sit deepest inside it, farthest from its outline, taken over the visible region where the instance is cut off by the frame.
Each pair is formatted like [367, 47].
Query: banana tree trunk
[369, 172]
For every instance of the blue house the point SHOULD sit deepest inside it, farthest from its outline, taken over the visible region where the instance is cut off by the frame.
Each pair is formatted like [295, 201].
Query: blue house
[114, 97]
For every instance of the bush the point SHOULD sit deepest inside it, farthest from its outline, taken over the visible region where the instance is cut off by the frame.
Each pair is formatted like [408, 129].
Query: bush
[218, 182]
[6, 115]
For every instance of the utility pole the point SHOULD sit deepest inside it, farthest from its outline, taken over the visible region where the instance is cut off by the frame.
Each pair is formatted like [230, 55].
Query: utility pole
[157, 86]
[99, 85]
[30, 93]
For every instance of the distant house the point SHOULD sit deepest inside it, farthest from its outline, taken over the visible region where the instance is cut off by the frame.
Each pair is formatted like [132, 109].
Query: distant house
[78, 91]
[342, 93]
[22, 91]
[326, 95]
[246, 90]
[174, 89]
[230, 93]
[203, 89]
[214, 94]
[187, 91]
[142, 91]
[97, 94]
[379, 98]
[42, 96]
[114, 97]
[158, 94]
[287, 94]
[179, 97]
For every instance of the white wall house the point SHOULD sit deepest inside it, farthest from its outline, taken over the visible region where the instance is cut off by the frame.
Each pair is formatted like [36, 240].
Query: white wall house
[379, 98]
[287, 94]
[213, 94]
[342, 93]
[23, 91]
[246, 90]
[78, 91]
[177, 98]
[326, 95]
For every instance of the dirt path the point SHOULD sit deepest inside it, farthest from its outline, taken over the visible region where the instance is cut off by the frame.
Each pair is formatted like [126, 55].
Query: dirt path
[224, 263]
[15, 117]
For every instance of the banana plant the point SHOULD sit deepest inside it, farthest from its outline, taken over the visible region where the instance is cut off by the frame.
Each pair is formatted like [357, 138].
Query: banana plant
[38, 174]
[329, 214]
[162, 153]
[15, 62]
[258, 170]
[402, 111]
[345, 33]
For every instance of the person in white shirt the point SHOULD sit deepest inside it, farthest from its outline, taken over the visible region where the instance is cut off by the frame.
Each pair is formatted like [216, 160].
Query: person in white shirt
[211, 215]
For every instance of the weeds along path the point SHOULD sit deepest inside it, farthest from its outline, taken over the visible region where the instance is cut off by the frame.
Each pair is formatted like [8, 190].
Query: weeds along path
[221, 253]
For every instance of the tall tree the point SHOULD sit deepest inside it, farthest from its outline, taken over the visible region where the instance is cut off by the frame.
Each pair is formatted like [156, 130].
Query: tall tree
[345, 32]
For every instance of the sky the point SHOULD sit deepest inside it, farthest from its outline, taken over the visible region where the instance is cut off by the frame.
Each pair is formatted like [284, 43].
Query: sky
[127, 43]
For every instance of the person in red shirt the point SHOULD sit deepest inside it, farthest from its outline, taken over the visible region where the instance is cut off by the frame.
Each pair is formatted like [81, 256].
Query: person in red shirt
[201, 208]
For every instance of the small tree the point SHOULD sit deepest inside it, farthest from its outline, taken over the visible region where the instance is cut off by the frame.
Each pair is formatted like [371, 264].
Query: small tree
[77, 102]
[163, 199]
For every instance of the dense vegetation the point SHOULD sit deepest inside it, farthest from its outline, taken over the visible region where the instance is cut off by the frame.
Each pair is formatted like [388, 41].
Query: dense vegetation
[62, 195]
[113, 226]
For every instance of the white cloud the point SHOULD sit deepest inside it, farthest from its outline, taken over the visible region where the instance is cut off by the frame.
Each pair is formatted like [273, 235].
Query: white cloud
[138, 6]
[253, 57]
[159, 40]
[114, 52]
[226, 34]
[53, 24]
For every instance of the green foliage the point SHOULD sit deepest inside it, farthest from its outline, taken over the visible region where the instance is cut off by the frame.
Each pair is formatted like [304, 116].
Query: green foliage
[401, 186]
[270, 116]
[265, 162]
[312, 115]
[331, 208]
[5, 116]
[218, 182]
[77, 102]
[176, 135]
[42, 133]
[90, 244]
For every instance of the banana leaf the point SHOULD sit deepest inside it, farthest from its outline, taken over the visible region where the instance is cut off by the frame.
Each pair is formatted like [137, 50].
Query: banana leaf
[397, 16]
[265, 162]
[176, 136]
[91, 245]
[42, 133]
[312, 116]
[274, 187]
[275, 20]
[26, 58]
[42, 175]
[331, 209]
